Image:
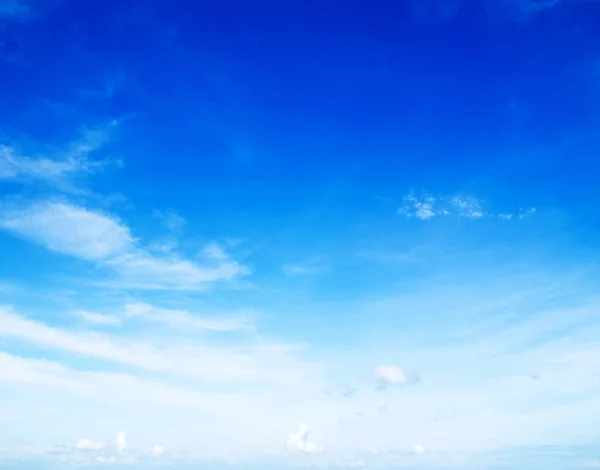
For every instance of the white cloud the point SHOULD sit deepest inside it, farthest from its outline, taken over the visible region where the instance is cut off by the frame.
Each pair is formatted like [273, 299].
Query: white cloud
[427, 207]
[95, 236]
[70, 230]
[142, 270]
[121, 442]
[525, 213]
[60, 167]
[467, 206]
[387, 375]
[183, 319]
[418, 449]
[420, 207]
[97, 318]
[477, 371]
[112, 388]
[87, 444]
[106, 459]
[247, 362]
[157, 451]
[298, 441]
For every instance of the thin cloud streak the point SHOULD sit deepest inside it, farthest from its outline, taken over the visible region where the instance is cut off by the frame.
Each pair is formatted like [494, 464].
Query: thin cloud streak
[101, 238]
[61, 169]
[247, 362]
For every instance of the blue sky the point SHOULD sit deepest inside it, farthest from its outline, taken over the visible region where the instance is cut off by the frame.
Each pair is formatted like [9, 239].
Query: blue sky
[299, 234]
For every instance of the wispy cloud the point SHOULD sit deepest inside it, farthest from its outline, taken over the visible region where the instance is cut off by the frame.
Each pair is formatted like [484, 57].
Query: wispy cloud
[106, 387]
[425, 206]
[215, 251]
[57, 168]
[97, 318]
[95, 236]
[184, 320]
[69, 229]
[305, 268]
[171, 220]
[246, 362]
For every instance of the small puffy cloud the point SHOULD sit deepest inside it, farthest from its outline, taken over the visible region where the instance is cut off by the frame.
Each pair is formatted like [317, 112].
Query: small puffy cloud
[467, 206]
[121, 442]
[157, 451]
[418, 449]
[298, 441]
[390, 376]
[526, 213]
[87, 444]
[426, 206]
[420, 207]
[106, 459]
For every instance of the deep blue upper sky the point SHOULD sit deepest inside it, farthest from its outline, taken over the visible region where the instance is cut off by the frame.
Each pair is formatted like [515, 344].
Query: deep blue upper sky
[369, 93]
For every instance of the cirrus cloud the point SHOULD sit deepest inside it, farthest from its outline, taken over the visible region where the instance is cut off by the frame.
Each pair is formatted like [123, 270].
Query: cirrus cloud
[95, 236]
